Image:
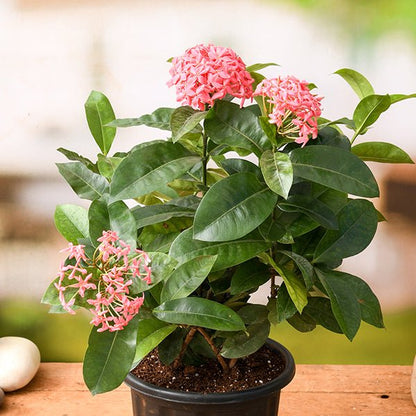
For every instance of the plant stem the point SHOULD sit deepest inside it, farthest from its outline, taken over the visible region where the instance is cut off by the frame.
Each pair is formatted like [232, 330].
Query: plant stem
[185, 344]
[220, 359]
[204, 159]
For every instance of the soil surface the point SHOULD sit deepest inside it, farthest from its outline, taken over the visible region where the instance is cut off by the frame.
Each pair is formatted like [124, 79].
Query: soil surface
[252, 371]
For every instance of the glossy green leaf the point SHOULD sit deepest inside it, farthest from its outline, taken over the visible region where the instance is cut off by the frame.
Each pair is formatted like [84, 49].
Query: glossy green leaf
[160, 119]
[358, 82]
[344, 303]
[368, 111]
[364, 296]
[381, 152]
[109, 357]
[154, 214]
[150, 333]
[187, 278]
[184, 120]
[229, 253]
[302, 322]
[99, 113]
[199, 312]
[285, 308]
[277, 171]
[335, 168]
[145, 169]
[72, 222]
[232, 208]
[272, 229]
[233, 166]
[237, 127]
[319, 309]
[86, 184]
[162, 266]
[258, 67]
[249, 275]
[312, 207]
[107, 165]
[248, 342]
[295, 287]
[269, 129]
[78, 158]
[357, 224]
[304, 266]
[395, 98]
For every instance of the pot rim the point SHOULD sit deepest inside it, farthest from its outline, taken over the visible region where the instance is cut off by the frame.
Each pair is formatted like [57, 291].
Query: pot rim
[270, 387]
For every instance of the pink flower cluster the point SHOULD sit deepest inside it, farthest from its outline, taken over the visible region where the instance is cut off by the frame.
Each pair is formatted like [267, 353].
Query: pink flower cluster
[206, 73]
[104, 280]
[292, 107]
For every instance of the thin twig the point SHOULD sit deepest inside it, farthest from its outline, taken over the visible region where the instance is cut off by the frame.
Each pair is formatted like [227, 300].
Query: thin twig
[185, 344]
[215, 350]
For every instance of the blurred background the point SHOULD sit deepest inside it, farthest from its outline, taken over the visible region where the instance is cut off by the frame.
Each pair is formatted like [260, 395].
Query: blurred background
[54, 52]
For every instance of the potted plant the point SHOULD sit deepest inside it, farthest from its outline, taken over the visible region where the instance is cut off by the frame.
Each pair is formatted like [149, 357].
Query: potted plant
[180, 232]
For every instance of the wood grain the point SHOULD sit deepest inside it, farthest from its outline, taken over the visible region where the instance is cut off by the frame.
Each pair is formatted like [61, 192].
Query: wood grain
[317, 390]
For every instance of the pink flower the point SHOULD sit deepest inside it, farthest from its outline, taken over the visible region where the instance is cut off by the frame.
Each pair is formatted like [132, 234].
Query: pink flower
[206, 73]
[291, 106]
[108, 277]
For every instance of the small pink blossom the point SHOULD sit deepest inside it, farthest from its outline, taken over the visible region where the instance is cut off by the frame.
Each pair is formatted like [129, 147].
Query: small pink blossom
[108, 277]
[291, 106]
[206, 73]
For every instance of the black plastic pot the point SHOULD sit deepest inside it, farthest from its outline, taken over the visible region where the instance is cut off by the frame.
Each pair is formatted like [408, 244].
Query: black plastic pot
[150, 400]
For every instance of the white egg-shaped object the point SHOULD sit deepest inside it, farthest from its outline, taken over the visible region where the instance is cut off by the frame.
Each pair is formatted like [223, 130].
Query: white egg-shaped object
[19, 362]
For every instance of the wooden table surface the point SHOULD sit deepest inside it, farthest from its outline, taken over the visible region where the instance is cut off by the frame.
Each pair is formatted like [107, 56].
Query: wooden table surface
[324, 390]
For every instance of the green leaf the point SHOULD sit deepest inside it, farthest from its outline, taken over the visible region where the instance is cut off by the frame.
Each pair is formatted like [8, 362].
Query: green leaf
[269, 129]
[232, 208]
[86, 184]
[116, 217]
[237, 127]
[229, 253]
[99, 113]
[277, 171]
[109, 357]
[364, 296]
[258, 67]
[285, 308]
[395, 98]
[150, 333]
[344, 303]
[319, 309]
[107, 165]
[171, 346]
[248, 342]
[368, 111]
[233, 166]
[145, 169]
[357, 224]
[199, 312]
[345, 121]
[359, 83]
[184, 120]
[162, 266]
[295, 287]
[335, 168]
[249, 275]
[154, 214]
[381, 152]
[72, 222]
[76, 157]
[160, 119]
[187, 278]
[312, 207]
[302, 322]
[304, 266]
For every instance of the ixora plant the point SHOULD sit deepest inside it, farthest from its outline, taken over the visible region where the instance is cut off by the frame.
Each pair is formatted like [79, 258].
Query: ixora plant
[181, 231]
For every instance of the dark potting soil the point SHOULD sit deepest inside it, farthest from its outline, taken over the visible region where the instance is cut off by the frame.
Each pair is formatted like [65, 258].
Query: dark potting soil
[252, 371]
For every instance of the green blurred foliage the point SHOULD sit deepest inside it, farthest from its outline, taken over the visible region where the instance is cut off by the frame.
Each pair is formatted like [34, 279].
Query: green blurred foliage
[59, 337]
[368, 19]
[396, 344]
